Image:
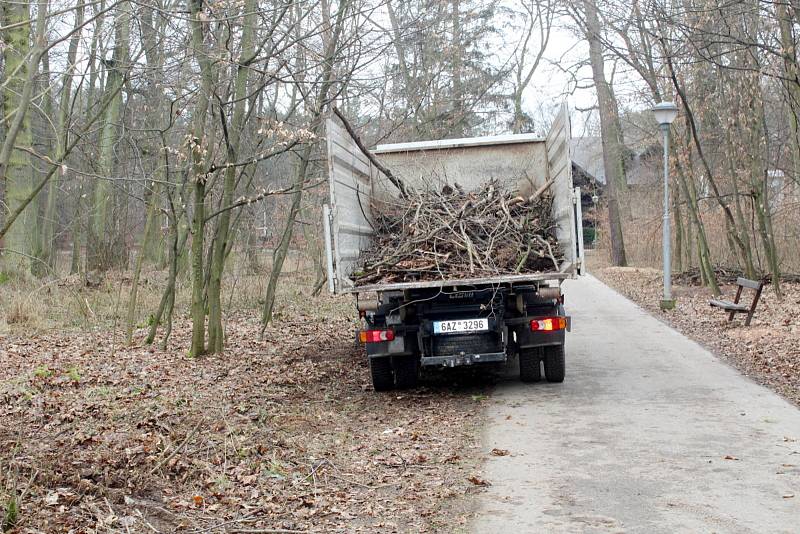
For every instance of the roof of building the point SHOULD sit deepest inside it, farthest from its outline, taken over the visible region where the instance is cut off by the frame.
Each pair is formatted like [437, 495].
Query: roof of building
[587, 152]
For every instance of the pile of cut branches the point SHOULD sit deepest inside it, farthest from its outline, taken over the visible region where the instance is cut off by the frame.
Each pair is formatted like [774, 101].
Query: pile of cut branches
[453, 234]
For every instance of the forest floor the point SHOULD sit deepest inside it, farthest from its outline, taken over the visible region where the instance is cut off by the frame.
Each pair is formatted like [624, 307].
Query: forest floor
[767, 351]
[280, 434]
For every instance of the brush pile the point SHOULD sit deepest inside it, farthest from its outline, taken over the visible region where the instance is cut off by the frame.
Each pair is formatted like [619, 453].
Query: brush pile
[453, 234]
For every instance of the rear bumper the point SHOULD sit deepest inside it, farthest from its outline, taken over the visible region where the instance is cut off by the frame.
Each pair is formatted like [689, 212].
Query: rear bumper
[458, 360]
[528, 340]
[409, 341]
[399, 346]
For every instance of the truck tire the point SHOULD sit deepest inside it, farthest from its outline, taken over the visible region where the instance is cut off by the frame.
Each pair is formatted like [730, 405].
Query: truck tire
[406, 372]
[554, 363]
[381, 371]
[530, 370]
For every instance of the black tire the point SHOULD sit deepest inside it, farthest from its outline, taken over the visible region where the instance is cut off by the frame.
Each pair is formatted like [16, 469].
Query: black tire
[554, 363]
[530, 370]
[381, 371]
[406, 372]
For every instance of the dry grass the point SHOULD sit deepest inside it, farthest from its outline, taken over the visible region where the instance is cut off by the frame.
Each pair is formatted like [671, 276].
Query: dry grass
[67, 302]
[19, 312]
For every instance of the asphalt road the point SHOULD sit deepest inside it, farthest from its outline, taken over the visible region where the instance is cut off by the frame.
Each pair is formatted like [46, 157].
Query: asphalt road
[649, 433]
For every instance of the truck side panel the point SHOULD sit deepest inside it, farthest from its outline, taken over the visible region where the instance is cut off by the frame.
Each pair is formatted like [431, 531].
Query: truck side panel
[350, 177]
[559, 165]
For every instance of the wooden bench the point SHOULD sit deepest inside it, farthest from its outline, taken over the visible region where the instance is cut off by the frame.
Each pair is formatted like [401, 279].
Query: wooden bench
[734, 307]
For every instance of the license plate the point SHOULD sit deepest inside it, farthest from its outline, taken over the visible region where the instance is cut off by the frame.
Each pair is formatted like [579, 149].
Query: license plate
[460, 326]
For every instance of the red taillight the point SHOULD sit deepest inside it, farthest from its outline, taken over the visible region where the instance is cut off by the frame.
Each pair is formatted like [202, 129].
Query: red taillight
[548, 324]
[375, 336]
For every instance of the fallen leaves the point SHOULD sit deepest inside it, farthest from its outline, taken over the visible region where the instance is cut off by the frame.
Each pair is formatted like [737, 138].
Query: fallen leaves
[274, 434]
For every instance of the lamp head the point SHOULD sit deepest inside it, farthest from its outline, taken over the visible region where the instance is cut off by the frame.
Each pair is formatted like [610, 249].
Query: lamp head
[665, 113]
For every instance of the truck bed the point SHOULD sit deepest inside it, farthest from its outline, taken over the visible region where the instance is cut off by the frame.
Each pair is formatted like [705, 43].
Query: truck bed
[565, 273]
[520, 162]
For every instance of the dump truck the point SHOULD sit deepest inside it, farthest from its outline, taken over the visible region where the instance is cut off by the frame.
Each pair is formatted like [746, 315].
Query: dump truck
[411, 326]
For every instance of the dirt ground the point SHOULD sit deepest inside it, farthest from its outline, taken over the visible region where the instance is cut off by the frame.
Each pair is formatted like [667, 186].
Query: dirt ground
[768, 350]
[282, 435]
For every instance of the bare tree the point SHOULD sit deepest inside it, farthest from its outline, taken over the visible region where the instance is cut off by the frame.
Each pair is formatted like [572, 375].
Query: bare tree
[611, 133]
[538, 23]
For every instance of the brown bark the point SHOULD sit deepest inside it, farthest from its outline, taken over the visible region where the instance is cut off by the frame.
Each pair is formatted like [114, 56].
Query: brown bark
[610, 132]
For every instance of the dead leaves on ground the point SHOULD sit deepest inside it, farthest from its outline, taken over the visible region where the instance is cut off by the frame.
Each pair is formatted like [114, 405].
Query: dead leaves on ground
[276, 434]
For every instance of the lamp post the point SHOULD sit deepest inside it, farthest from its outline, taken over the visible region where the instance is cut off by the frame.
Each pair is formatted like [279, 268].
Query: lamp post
[665, 113]
[595, 200]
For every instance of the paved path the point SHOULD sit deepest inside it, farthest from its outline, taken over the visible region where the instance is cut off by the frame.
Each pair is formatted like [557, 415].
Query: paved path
[636, 438]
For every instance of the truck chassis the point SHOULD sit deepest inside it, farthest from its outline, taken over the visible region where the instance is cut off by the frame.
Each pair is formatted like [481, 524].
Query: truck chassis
[403, 331]
[412, 324]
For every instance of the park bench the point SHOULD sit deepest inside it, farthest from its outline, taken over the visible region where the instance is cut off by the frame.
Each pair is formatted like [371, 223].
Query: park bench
[735, 307]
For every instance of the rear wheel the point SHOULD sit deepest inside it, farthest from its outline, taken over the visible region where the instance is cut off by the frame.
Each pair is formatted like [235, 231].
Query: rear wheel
[554, 363]
[381, 371]
[406, 371]
[530, 369]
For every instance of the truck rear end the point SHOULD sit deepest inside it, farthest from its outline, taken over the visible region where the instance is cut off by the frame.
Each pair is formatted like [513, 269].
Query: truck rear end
[408, 326]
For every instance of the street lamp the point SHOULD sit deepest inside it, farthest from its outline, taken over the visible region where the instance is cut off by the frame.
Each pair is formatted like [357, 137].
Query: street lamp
[665, 113]
[595, 200]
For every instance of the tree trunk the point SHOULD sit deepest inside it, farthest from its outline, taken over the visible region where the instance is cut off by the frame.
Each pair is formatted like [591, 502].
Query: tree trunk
[331, 49]
[459, 124]
[409, 85]
[149, 221]
[764, 218]
[178, 235]
[77, 233]
[279, 256]
[197, 146]
[154, 242]
[62, 127]
[749, 267]
[791, 83]
[679, 235]
[704, 254]
[16, 167]
[738, 244]
[610, 133]
[104, 248]
[224, 233]
[761, 186]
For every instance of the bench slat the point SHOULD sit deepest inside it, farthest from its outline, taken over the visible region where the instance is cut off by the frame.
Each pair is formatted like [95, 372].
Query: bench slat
[728, 305]
[752, 284]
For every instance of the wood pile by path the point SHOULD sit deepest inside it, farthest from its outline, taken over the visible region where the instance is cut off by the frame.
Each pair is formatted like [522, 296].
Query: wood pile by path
[453, 234]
